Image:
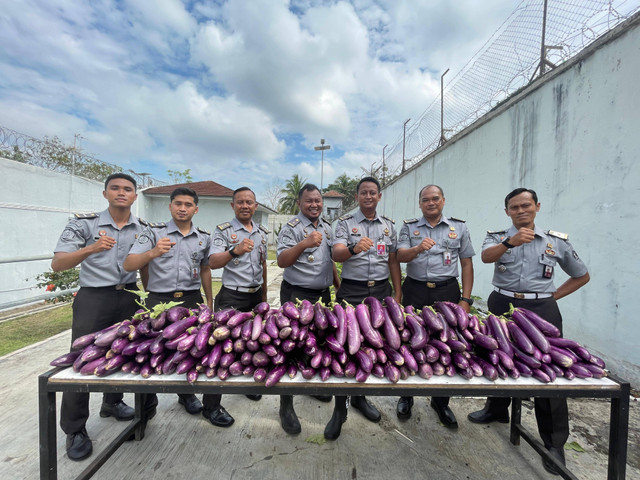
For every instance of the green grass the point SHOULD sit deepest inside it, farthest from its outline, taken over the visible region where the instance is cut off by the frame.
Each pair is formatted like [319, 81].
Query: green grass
[23, 331]
[30, 329]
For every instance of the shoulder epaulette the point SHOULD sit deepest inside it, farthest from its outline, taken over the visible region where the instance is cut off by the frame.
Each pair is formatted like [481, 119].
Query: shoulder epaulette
[388, 219]
[496, 231]
[224, 226]
[325, 220]
[157, 225]
[563, 236]
[345, 217]
[293, 222]
[410, 220]
[457, 219]
[143, 222]
[81, 216]
[202, 230]
[264, 229]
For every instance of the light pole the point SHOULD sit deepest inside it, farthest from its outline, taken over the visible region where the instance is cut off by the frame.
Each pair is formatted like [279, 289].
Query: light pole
[322, 148]
[404, 136]
[383, 166]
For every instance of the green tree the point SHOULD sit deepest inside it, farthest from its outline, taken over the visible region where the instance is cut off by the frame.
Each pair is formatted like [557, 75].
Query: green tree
[288, 203]
[346, 186]
[180, 177]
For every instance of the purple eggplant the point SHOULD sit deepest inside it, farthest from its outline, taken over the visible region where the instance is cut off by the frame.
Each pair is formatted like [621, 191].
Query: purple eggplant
[274, 376]
[391, 372]
[488, 370]
[178, 327]
[445, 359]
[432, 353]
[457, 345]
[419, 335]
[157, 359]
[446, 311]
[390, 332]
[425, 371]
[92, 352]
[115, 363]
[90, 367]
[551, 373]
[246, 330]
[540, 323]
[106, 339]
[192, 375]
[85, 340]
[395, 311]
[363, 360]
[595, 370]
[341, 328]
[409, 359]
[562, 357]
[597, 361]
[375, 308]
[259, 375]
[432, 322]
[226, 359]
[261, 308]
[144, 345]
[66, 360]
[380, 355]
[505, 360]
[236, 369]
[366, 328]
[270, 327]
[540, 375]
[173, 343]
[175, 314]
[362, 376]
[270, 350]
[332, 320]
[562, 342]
[441, 346]
[291, 311]
[204, 314]
[306, 312]
[534, 334]
[353, 330]
[580, 371]
[260, 359]
[223, 373]
[118, 344]
[238, 319]
[203, 335]
[221, 317]
[256, 326]
[531, 361]
[282, 320]
[319, 318]
[462, 319]
[125, 328]
[498, 333]
[333, 344]
[460, 361]
[521, 340]
[477, 369]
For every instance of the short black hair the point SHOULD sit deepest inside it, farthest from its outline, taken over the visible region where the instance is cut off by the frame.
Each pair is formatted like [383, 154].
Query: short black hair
[124, 176]
[184, 191]
[518, 191]
[307, 187]
[242, 189]
[429, 186]
[368, 179]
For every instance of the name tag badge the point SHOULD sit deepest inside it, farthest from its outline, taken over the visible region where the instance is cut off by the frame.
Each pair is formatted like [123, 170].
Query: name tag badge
[195, 273]
[446, 258]
[547, 271]
[381, 248]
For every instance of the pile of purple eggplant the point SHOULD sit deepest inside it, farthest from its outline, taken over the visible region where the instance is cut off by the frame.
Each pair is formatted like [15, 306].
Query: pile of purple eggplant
[376, 338]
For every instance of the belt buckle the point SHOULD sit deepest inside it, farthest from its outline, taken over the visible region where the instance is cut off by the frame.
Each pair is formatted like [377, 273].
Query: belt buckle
[431, 285]
[178, 294]
[518, 295]
[252, 289]
[371, 283]
[120, 286]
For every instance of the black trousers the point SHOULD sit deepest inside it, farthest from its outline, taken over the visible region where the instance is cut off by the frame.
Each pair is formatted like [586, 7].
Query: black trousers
[418, 295]
[289, 292]
[552, 414]
[355, 294]
[192, 300]
[93, 310]
[241, 301]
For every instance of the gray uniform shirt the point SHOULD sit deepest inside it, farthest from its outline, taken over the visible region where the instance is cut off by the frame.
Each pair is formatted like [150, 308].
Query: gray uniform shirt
[103, 269]
[373, 264]
[179, 268]
[246, 270]
[314, 267]
[530, 267]
[440, 262]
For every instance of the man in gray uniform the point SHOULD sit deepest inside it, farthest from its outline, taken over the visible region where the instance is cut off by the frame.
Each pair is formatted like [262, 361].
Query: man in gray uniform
[433, 246]
[525, 257]
[304, 251]
[366, 244]
[99, 243]
[240, 248]
[177, 256]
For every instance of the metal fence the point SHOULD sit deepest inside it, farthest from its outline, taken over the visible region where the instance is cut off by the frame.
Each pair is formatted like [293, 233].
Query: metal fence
[54, 155]
[526, 45]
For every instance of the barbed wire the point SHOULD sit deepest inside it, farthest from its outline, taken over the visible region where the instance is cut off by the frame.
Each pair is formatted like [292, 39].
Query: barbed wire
[507, 62]
[52, 154]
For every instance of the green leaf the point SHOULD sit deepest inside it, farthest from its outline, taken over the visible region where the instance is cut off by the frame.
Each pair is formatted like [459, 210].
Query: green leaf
[574, 446]
[318, 439]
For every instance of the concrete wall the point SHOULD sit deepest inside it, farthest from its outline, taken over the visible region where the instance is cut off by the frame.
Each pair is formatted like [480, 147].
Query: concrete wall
[572, 137]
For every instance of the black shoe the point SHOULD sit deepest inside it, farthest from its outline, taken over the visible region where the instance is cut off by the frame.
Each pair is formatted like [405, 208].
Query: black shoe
[289, 419]
[558, 453]
[191, 403]
[445, 415]
[255, 398]
[404, 407]
[334, 427]
[218, 416]
[323, 398]
[79, 445]
[487, 416]
[365, 407]
[118, 410]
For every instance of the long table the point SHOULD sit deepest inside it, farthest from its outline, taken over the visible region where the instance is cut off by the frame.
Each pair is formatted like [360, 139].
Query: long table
[65, 380]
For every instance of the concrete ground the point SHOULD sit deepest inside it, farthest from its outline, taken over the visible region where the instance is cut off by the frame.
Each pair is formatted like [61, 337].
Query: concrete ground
[178, 445]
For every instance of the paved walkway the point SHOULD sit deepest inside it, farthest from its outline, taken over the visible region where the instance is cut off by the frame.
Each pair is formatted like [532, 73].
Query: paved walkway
[179, 446]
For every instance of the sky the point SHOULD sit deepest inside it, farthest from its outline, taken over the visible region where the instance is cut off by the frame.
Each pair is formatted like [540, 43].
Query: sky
[237, 91]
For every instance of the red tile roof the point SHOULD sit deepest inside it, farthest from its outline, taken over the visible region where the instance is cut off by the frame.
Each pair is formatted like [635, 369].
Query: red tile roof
[332, 193]
[203, 189]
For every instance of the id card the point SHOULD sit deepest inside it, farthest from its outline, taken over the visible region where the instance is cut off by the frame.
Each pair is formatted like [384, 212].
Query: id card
[446, 258]
[381, 248]
[547, 271]
[195, 273]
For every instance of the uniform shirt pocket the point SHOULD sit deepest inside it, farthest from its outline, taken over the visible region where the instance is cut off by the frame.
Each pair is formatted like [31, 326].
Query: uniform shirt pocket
[548, 260]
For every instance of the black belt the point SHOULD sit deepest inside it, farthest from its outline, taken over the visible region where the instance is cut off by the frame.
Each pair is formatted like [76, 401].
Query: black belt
[370, 283]
[427, 284]
[311, 291]
[180, 294]
[120, 286]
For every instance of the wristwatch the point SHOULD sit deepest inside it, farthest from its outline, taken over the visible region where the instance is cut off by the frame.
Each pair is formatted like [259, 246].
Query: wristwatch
[232, 253]
[506, 243]
[468, 300]
[352, 249]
